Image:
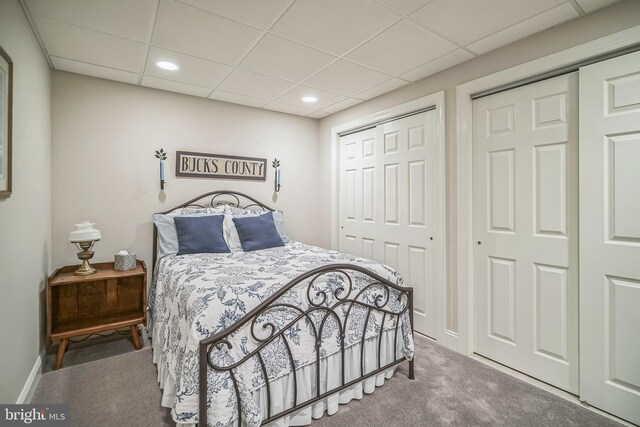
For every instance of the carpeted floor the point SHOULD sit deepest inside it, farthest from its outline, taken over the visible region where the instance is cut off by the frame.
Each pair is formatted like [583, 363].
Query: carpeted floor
[449, 390]
[95, 348]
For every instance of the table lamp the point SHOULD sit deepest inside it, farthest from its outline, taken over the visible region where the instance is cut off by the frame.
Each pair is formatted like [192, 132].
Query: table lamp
[84, 237]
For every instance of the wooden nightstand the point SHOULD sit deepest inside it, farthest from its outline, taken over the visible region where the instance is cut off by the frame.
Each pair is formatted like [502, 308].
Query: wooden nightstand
[84, 305]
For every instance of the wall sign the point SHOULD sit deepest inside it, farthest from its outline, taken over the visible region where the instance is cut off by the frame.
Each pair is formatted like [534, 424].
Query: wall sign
[202, 165]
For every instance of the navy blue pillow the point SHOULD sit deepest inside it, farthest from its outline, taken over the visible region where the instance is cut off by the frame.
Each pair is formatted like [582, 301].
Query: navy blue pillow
[200, 234]
[257, 232]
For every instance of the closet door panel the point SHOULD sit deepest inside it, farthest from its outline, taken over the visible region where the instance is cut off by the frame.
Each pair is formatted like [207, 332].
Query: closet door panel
[610, 235]
[525, 229]
[387, 192]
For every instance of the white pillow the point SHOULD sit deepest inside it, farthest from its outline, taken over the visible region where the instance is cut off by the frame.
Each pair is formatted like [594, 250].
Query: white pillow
[167, 234]
[278, 220]
[231, 234]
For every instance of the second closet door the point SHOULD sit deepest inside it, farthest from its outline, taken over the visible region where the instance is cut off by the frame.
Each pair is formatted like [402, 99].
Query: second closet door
[526, 229]
[610, 235]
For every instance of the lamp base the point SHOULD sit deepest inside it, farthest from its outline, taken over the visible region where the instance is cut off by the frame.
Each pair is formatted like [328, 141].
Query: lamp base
[85, 269]
[85, 255]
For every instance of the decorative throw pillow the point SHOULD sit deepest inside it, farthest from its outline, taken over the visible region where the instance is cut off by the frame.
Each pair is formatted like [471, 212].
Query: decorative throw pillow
[257, 232]
[200, 234]
[278, 219]
[166, 226]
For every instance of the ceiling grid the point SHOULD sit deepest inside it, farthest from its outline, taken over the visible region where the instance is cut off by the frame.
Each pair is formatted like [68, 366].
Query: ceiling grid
[271, 53]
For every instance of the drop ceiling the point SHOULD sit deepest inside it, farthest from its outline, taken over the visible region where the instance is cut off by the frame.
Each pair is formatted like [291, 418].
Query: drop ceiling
[271, 53]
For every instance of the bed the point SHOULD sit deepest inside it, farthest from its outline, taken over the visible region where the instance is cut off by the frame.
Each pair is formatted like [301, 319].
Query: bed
[279, 335]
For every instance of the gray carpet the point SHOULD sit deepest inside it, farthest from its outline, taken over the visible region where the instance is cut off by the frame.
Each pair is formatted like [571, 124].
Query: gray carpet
[95, 348]
[449, 390]
[116, 391]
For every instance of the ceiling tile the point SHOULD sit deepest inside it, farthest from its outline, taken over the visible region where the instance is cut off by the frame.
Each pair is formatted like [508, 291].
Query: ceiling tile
[338, 106]
[94, 70]
[592, 5]
[284, 108]
[533, 25]
[248, 83]
[318, 114]
[124, 18]
[171, 86]
[192, 31]
[71, 42]
[295, 95]
[401, 48]
[334, 26]
[282, 58]
[237, 99]
[385, 87]
[404, 7]
[346, 78]
[258, 13]
[193, 71]
[437, 65]
[465, 21]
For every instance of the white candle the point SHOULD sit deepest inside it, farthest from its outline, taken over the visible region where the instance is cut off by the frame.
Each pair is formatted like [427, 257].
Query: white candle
[161, 170]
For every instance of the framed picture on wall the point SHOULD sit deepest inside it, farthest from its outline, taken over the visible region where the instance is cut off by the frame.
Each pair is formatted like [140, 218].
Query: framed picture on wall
[6, 102]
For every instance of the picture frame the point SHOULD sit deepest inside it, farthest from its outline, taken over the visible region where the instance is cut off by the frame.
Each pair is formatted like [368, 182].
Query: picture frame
[6, 115]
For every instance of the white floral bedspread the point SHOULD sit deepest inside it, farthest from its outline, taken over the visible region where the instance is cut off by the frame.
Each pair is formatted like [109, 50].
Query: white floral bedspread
[195, 296]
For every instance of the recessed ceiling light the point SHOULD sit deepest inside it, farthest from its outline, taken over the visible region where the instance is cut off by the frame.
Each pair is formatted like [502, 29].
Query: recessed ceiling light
[166, 65]
[309, 99]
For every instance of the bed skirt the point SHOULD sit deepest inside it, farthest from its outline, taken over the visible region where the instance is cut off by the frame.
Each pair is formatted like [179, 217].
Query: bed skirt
[282, 389]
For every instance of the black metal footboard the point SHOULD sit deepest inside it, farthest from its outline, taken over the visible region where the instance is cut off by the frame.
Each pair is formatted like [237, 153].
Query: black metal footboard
[379, 297]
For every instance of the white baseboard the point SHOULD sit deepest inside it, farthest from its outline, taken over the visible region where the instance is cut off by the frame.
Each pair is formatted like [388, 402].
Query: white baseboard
[33, 379]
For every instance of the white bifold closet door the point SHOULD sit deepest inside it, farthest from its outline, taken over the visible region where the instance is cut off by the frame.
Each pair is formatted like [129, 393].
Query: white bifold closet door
[387, 190]
[526, 228]
[610, 236]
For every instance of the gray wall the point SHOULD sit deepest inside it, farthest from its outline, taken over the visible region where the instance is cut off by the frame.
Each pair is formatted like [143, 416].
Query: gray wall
[25, 218]
[613, 19]
[104, 170]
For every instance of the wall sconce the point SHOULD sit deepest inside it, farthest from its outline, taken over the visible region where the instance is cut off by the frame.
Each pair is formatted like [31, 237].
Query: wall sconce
[162, 156]
[84, 237]
[278, 175]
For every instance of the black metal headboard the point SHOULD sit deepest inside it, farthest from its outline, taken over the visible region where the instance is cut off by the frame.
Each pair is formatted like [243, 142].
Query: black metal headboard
[212, 199]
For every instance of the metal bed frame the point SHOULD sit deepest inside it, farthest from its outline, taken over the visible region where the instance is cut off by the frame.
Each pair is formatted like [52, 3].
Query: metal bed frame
[383, 291]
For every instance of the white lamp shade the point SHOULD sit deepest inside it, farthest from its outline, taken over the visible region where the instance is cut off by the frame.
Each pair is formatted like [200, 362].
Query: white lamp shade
[85, 232]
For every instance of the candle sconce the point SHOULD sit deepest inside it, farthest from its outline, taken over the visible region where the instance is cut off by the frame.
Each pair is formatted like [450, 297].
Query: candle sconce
[162, 155]
[278, 174]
